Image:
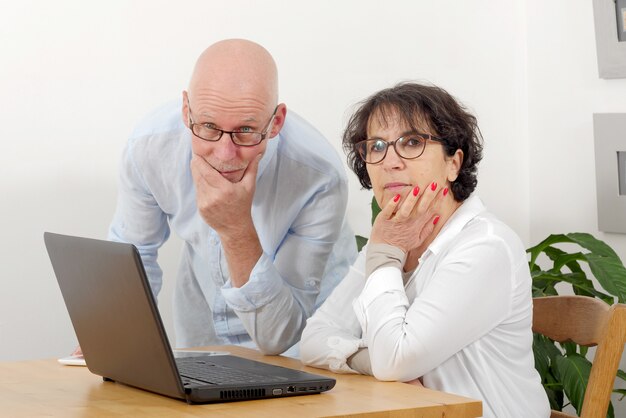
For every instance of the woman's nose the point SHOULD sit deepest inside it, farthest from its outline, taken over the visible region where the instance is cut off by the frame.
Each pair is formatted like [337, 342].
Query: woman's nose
[392, 160]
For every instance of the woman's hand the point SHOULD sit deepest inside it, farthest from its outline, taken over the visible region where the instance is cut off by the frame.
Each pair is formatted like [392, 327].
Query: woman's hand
[406, 223]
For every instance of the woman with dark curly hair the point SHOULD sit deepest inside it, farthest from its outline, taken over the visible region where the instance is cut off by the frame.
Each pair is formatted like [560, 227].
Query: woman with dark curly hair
[441, 295]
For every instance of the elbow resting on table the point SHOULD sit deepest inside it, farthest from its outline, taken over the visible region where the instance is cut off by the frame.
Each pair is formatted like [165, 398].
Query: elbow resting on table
[386, 375]
[308, 356]
[273, 349]
[392, 371]
[390, 375]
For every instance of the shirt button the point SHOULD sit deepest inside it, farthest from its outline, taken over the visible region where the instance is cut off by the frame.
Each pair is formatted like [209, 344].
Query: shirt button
[213, 241]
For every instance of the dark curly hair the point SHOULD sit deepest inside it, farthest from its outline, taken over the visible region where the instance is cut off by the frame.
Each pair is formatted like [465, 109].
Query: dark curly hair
[416, 104]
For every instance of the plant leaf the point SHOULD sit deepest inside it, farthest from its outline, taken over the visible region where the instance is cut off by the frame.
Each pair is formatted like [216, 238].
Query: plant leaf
[593, 244]
[546, 280]
[574, 371]
[604, 262]
[570, 348]
[375, 209]
[360, 242]
[545, 353]
[621, 374]
[569, 260]
[610, 273]
[541, 347]
[556, 398]
[537, 249]
[539, 292]
[581, 285]
[555, 253]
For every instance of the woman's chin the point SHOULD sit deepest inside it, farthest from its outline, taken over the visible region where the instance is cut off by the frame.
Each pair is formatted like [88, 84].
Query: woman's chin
[389, 194]
[385, 198]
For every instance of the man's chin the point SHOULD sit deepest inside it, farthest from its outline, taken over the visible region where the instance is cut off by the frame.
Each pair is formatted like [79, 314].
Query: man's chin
[233, 176]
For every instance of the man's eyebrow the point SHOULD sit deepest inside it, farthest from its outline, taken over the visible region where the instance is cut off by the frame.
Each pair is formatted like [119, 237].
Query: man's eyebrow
[206, 115]
[209, 118]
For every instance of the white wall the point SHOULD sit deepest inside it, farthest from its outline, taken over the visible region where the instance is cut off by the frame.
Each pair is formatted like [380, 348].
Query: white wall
[564, 91]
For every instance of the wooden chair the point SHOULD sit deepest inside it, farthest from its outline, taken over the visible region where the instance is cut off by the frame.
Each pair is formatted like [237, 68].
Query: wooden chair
[589, 322]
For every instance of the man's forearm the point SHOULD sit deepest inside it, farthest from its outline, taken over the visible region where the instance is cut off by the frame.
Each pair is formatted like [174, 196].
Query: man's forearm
[242, 251]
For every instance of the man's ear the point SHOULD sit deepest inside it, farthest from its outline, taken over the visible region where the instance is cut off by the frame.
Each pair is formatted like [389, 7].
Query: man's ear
[455, 162]
[279, 120]
[185, 109]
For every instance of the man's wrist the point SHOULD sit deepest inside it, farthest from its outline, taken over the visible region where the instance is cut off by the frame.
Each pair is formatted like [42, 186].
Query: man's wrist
[242, 250]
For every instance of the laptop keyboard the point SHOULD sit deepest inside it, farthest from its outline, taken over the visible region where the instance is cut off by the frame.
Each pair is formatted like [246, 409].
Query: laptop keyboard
[207, 372]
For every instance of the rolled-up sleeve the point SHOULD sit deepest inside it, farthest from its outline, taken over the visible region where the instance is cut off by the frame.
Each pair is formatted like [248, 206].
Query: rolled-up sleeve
[282, 289]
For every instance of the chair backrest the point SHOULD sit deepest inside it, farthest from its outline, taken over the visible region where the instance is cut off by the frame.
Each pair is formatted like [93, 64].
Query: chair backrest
[589, 322]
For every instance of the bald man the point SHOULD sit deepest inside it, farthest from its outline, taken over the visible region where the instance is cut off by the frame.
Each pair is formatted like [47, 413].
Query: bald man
[257, 195]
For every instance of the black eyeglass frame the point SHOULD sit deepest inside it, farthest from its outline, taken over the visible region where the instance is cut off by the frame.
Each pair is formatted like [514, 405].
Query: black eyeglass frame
[263, 134]
[359, 146]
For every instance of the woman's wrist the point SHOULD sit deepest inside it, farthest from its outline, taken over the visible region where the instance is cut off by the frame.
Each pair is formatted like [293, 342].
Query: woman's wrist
[383, 255]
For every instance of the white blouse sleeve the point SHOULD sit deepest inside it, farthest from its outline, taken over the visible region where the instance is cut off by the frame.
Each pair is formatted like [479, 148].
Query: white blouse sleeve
[333, 333]
[468, 295]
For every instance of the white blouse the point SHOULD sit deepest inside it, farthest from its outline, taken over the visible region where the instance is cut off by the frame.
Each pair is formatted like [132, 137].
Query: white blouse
[462, 322]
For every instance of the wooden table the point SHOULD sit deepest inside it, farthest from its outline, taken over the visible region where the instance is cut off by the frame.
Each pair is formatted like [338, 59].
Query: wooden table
[46, 388]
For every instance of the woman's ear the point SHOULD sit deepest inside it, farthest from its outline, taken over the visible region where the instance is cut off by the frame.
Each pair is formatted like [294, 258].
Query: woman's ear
[455, 162]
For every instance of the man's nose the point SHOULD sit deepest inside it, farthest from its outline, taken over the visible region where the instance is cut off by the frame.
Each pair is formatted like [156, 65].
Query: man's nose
[225, 148]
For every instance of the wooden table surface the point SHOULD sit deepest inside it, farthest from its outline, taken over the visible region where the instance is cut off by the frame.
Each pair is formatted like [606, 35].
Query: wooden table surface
[45, 388]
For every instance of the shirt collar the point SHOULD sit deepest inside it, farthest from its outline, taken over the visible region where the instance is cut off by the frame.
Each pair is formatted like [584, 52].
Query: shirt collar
[469, 209]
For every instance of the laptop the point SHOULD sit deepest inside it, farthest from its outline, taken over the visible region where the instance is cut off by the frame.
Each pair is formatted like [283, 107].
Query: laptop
[119, 329]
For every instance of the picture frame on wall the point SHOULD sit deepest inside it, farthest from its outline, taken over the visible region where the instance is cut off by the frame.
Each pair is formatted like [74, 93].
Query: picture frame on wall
[610, 24]
[620, 13]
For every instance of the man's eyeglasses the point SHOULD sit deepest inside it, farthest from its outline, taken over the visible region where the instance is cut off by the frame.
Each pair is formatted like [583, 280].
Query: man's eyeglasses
[243, 137]
[409, 146]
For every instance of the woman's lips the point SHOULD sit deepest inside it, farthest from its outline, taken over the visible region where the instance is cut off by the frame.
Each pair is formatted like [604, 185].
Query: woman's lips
[396, 186]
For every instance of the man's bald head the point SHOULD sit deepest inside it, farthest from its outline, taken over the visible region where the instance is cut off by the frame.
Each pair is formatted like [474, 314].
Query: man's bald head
[236, 67]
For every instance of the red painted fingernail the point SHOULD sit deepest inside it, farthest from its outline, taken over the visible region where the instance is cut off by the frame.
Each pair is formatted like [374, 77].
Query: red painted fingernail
[395, 199]
[435, 220]
[433, 186]
[416, 190]
[445, 191]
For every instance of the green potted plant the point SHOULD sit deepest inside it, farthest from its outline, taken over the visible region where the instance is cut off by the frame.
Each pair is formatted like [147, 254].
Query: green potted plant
[564, 368]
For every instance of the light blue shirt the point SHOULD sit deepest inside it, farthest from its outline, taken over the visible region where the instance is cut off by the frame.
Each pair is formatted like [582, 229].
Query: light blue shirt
[298, 211]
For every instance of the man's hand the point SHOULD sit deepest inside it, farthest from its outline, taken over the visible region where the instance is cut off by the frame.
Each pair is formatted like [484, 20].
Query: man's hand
[227, 208]
[406, 223]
